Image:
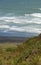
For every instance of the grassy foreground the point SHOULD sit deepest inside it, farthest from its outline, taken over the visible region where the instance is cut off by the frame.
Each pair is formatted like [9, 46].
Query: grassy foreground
[28, 53]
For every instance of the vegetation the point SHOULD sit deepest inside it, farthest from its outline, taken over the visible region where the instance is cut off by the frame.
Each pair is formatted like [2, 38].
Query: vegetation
[27, 53]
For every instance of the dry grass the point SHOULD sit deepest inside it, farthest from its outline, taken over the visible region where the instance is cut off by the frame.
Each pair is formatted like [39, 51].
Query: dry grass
[28, 53]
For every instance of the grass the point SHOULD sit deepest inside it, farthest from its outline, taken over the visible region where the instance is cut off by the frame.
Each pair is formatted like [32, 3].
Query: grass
[27, 53]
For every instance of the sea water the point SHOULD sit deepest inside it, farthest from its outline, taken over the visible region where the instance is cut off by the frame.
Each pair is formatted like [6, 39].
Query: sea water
[20, 17]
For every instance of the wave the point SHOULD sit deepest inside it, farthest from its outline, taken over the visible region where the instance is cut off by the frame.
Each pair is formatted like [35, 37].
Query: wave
[21, 29]
[27, 18]
[34, 15]
[28, 23]
[39, 9]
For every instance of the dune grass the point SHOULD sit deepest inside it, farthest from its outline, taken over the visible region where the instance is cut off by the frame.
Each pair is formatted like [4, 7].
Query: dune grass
[27, 53]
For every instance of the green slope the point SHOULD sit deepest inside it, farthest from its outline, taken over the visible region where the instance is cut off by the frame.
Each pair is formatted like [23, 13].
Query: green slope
[28, 53]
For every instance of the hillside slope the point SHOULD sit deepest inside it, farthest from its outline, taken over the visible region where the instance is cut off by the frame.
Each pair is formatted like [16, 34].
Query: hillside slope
[28, 53]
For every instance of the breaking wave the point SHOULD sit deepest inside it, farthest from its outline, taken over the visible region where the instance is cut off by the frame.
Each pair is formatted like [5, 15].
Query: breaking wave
[28, 23]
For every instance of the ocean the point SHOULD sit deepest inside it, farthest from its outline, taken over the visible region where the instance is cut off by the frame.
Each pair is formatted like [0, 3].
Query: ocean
[20, 18]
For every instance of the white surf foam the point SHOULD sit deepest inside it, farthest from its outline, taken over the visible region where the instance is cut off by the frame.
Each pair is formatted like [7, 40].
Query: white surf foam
[39, 9]
[4, 26]
[24, 29]
[22, 20]
[36, 15]
[21, 29]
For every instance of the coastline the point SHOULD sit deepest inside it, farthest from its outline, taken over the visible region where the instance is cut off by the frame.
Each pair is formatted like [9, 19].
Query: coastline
[4, 39]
